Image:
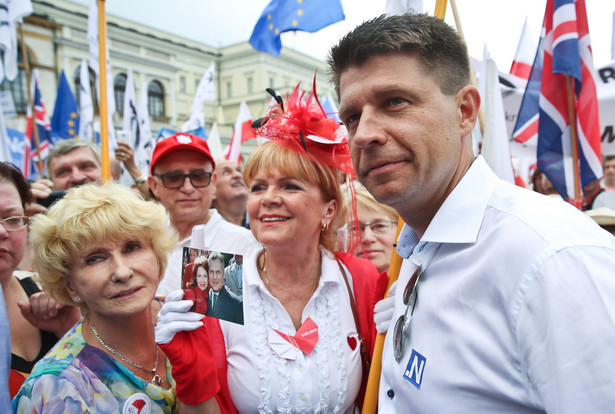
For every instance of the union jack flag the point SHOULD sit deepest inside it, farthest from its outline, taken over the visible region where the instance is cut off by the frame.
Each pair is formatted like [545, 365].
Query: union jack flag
[564, 49]
[31, 157]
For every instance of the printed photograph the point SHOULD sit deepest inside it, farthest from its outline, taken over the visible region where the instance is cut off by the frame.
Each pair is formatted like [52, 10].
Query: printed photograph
[213, 281]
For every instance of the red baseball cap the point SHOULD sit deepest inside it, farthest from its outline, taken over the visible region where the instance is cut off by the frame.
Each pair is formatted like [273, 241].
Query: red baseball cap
[180, 141]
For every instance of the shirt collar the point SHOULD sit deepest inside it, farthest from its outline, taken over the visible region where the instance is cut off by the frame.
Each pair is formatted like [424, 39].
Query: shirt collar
[329, 268]
[459, 218]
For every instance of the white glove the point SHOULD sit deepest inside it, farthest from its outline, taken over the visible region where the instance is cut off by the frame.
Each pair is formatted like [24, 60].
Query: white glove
[383, 311]
[175, 317]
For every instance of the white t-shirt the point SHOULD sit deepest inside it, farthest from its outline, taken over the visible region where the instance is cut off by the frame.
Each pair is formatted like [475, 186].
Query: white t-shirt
[260, 380]
[515, 310]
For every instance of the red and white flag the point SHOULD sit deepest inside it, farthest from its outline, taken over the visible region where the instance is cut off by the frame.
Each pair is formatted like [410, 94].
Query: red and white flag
[242, 132]
[524, 57]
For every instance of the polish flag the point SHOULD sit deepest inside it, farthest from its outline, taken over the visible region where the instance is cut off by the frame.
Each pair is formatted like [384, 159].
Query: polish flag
[242, 132]
[524, 57]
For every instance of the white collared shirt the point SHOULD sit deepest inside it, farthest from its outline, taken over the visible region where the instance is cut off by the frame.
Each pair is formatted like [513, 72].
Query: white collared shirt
[515, 310]
[328, 378]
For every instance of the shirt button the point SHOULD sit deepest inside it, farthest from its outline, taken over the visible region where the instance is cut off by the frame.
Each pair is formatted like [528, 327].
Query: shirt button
[301, 368]
[390, 394]
[303, 398]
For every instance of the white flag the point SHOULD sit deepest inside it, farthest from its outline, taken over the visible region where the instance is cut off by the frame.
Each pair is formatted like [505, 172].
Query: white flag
[242, 132]
[206, 91]
[130, 123]
[526, 51]
[613, 39]
[86, 107]
[5, 153]
[145, 146]
[11, 13]
[396, 7]
[496, 147]
[214, 143]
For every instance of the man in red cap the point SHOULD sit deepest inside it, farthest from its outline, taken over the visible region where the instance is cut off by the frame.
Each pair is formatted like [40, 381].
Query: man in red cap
[182, 179]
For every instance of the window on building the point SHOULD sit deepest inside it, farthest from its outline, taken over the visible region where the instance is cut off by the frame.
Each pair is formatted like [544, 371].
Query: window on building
[155, 98]
[182, 84]
[250, 85]
[119, 90]
[196, 84]
[229, 90]
[271, 83]
[77, 80]
[18, 87]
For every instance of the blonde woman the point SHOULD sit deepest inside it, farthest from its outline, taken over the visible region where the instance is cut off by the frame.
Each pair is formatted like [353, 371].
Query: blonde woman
[308, 316]
[105, 249]
[375, 233]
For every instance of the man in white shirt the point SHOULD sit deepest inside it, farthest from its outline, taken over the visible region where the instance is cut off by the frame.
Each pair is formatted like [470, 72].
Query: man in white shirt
[183, 180]
[515, 297]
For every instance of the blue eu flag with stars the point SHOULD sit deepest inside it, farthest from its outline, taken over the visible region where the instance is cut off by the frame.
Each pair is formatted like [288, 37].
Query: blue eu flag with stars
[287, 15]
[65, 119]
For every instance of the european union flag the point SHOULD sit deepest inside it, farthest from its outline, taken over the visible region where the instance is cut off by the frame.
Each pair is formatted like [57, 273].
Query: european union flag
[285, 15]
[65, 119]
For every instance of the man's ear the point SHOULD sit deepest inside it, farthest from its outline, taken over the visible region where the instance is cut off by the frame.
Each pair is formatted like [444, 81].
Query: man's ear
[153, 185]
[468, 103]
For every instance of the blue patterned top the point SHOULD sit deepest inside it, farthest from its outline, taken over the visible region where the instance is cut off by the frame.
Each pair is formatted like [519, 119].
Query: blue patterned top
[77, 377]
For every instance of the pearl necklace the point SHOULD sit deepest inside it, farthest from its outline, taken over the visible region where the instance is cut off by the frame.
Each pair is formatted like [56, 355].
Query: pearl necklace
[156, 380]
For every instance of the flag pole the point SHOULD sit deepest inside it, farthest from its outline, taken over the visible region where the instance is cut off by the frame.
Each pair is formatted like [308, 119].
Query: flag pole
[26, 64]
[481, 111]
[370, 402]
[574, 140]
[102, 75]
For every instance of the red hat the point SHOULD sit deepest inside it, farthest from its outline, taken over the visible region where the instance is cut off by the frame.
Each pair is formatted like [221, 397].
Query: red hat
[180, 141]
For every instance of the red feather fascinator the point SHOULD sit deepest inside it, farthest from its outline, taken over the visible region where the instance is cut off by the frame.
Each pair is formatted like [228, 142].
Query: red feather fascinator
[303, 127]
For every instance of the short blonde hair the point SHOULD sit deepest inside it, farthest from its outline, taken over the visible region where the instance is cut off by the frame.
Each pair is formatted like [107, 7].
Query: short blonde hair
[368, 201]
[90, 214]
[272, 155]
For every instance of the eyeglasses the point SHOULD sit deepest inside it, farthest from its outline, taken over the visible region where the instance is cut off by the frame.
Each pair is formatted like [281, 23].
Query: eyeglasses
[15, 223]
[409, 299]
[378, 227]
[173, 180]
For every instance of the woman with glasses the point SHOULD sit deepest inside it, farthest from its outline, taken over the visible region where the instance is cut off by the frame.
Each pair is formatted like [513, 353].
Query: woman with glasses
[36, 321]
[103, 248]
[308, 317]
[376, 229]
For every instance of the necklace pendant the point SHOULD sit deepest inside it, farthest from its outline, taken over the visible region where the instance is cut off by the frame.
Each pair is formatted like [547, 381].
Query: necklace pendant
[156, 380]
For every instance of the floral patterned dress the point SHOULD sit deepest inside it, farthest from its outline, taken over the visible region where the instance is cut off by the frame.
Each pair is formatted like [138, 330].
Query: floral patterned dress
[75, 377]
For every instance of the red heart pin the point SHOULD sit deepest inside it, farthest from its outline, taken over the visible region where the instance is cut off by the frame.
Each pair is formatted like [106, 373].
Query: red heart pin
[352, 341]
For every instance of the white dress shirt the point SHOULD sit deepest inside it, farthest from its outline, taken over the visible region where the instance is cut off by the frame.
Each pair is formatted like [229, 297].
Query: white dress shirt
[327, 380]
[515, 310]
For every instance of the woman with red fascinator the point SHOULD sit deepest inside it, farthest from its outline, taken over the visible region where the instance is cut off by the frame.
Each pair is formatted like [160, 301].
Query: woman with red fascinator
[308, 314]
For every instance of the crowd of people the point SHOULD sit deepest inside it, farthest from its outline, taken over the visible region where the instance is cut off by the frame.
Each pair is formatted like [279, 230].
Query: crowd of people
[208, 287]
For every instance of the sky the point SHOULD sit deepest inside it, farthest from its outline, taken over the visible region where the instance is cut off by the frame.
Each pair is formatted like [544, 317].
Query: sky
[494, 23]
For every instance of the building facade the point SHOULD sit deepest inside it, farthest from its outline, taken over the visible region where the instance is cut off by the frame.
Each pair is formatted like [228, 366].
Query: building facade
[168, 66]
